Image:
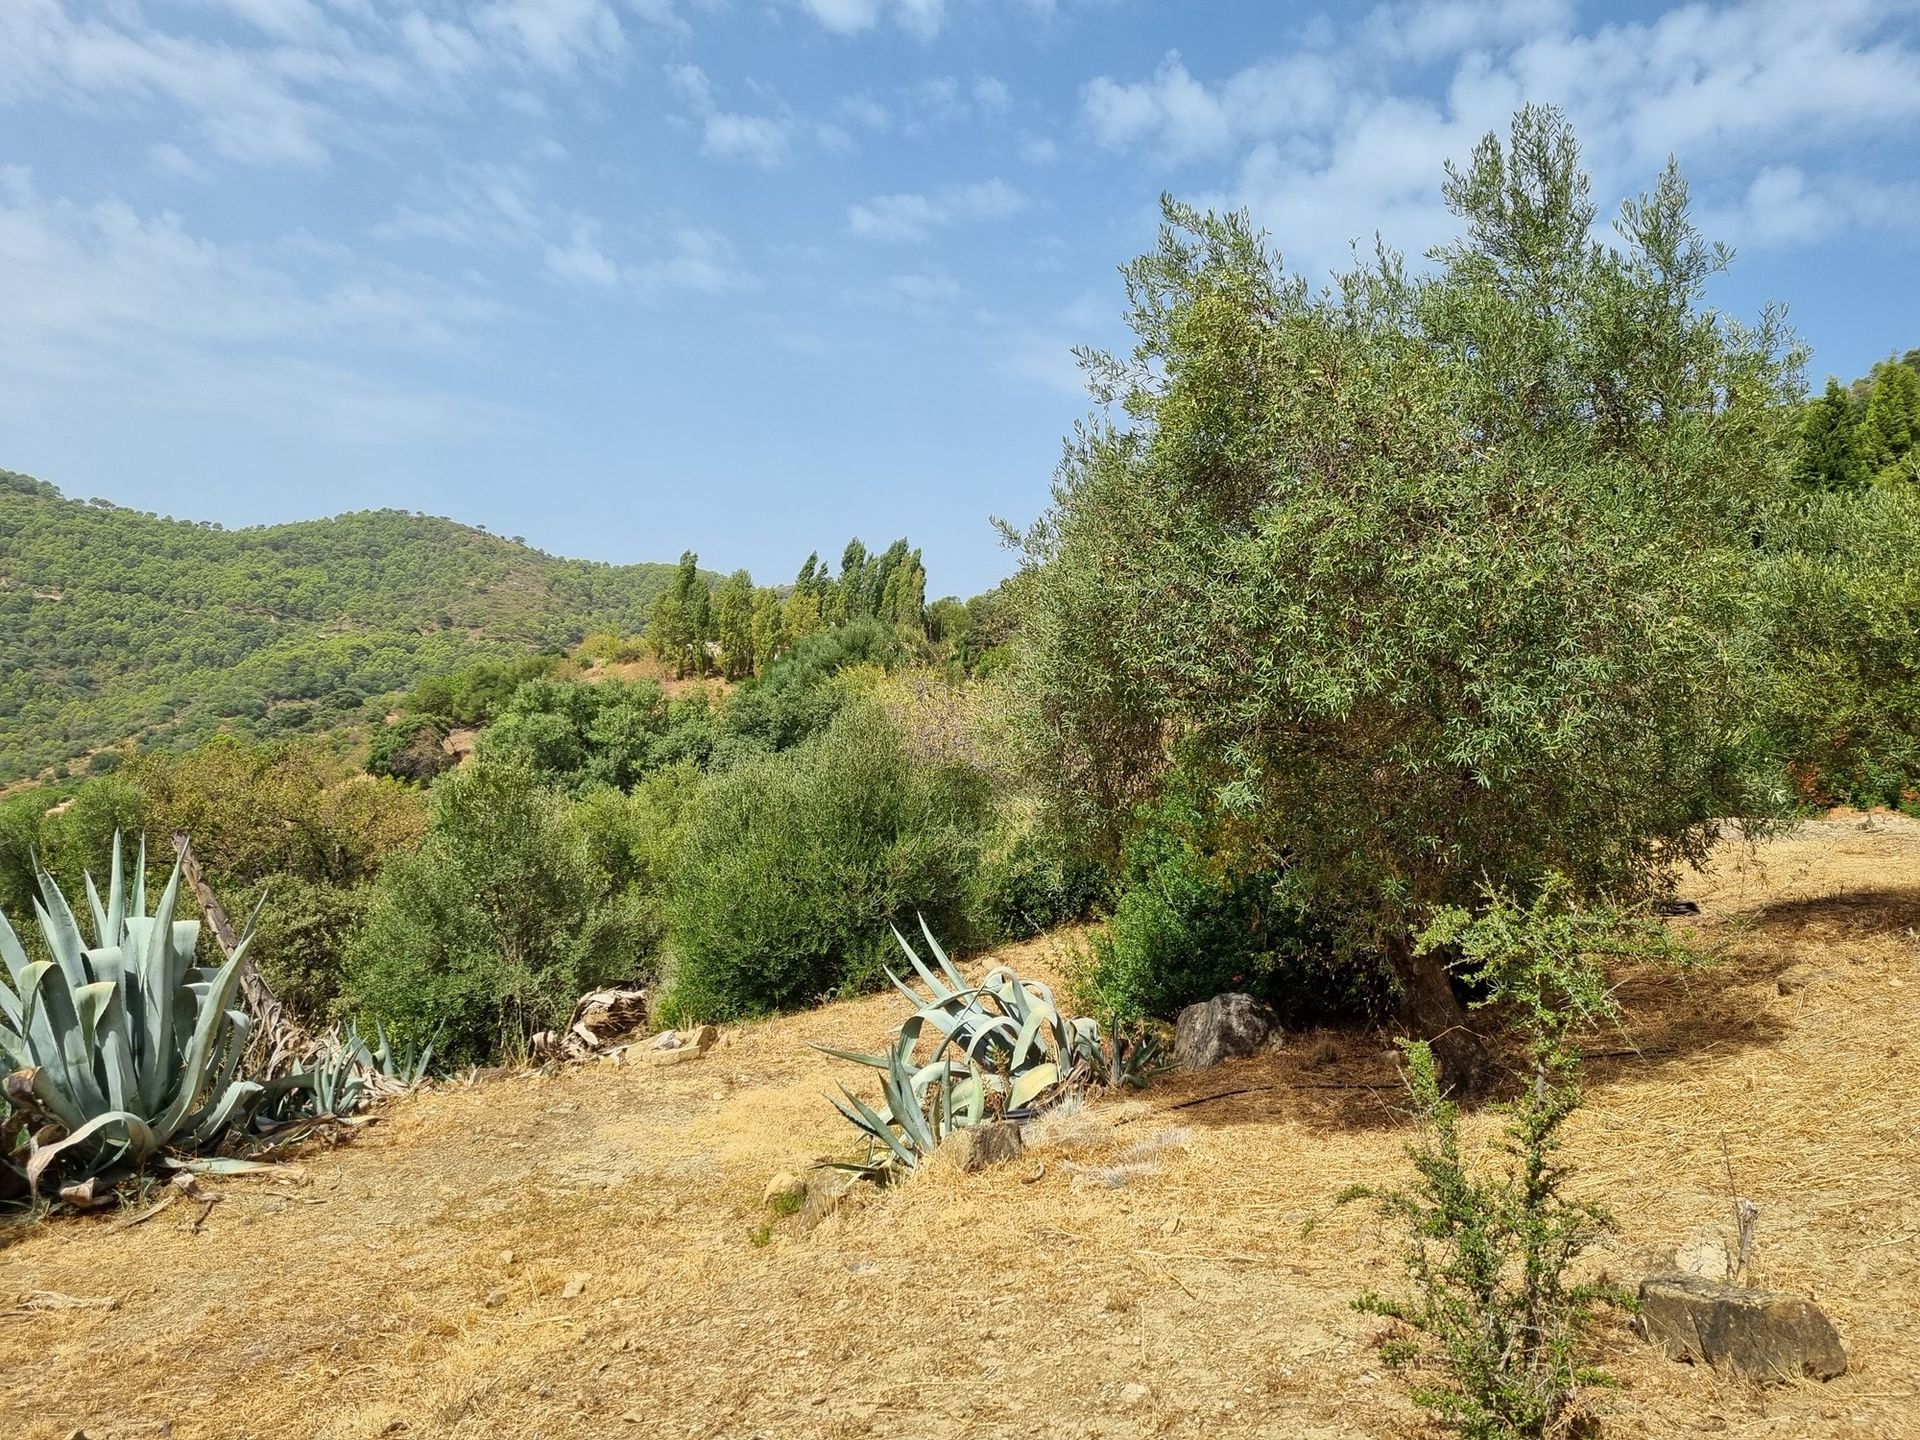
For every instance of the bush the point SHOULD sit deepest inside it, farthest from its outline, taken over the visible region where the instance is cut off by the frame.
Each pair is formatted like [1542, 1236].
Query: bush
[1496, 1326]
[1444, 574]
[1033, 881]
[797, 697]
[494, 926]
[792, 867]
[303, 939]
[1194, 919]
[410, 748]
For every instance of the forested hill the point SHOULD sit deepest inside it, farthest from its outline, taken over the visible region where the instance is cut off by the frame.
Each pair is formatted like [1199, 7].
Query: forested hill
[117, 624]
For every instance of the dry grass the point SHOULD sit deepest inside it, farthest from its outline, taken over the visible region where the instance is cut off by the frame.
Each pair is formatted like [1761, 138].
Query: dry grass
[419, 1283]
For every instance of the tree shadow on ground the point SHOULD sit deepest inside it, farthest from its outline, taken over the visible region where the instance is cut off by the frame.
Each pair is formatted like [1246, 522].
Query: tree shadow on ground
[1349, 1080]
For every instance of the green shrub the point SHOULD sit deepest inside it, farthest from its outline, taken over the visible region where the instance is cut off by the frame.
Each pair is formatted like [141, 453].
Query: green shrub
[1193, 919]
[495, 925]
[1032, 881]
[303, 939]
[792, 867]
[1496, 1326]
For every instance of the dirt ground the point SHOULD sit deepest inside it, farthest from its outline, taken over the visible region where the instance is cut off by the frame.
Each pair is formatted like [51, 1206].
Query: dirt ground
[581, 1254]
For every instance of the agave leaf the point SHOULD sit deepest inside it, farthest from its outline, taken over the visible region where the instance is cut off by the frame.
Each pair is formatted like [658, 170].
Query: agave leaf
[140, 881]
[62, 932]
[100, 932]
[136, 1143]
[221, 1076]
[34, 1088]
[19, 1053]
[216, 1117]
[116, 897]
[878, 1062]
[157, 986]
[1024, 1042]
[12, 952]
[940, 955]
[194, 1067]
[1032, 1083]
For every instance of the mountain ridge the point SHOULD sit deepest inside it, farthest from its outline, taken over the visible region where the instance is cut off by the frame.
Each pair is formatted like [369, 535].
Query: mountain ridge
[117, 624]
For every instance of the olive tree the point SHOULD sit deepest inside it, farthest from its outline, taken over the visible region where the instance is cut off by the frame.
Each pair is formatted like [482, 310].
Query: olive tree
[1439, 578]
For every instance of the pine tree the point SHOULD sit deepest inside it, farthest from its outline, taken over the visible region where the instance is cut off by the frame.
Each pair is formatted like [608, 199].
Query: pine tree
[1829, 455]
[1890, 431]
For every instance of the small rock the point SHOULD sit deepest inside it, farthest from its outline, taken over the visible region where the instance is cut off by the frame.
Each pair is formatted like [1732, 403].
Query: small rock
[496, 1298]
[1704, 1254]
[1227, 1027]
[1795, 978]
[703, 1038]
[575, 1287]
[1757, 1332]
[785, 1189]
[507, 1258]
[667, 1040]
[676, 1055]
[976, 1147]
[1132, 1395]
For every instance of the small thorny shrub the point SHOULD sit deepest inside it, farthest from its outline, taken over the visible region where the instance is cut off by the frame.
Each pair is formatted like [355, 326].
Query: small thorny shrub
[1496, 1327]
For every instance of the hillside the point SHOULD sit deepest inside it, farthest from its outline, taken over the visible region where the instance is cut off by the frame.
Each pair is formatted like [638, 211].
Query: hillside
[582, 1252]
[117, 624]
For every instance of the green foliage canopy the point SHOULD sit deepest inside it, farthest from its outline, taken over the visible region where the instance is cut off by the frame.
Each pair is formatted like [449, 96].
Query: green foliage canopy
[1438, 578]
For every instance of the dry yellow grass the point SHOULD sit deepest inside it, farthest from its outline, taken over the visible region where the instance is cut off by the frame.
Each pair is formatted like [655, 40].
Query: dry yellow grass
[380, 1297]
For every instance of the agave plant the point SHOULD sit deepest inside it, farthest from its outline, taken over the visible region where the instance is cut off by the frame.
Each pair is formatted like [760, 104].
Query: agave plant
[344, 1075]
[1005, 1026]
[1003, 1046]
[125, 1046]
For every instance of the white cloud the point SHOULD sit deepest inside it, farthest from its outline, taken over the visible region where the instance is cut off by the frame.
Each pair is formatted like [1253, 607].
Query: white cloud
[300, 78]
[1783, 207]
[695, 261]
[865, 112]
[482, 206]
[927, 293]
[991, 95]
[920, 18]
[103, 299]
[171, 161]
[762, 140]
[1331, 144]
[580, 260]
[756, 138]
[495, 209]
[1185, 119]
[914, 217]
[555, 35]
[1423, 29]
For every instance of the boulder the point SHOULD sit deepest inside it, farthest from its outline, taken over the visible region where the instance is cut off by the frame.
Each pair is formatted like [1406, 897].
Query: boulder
[976, 1147]
[1227, 1027]
[1758, 1332]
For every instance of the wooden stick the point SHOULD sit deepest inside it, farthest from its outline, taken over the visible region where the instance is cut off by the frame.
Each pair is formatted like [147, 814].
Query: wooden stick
[282, 1040]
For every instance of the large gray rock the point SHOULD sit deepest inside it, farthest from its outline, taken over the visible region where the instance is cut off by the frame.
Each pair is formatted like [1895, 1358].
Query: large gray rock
[1757, 1332]
[1227, 1027]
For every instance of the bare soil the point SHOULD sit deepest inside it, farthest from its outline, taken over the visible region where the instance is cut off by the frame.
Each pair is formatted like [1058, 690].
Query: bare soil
[585, 1253]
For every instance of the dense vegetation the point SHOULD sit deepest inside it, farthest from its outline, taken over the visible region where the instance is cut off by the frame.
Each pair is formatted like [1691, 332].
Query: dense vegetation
[1353, 603]
[118, 625]
[1452, 578]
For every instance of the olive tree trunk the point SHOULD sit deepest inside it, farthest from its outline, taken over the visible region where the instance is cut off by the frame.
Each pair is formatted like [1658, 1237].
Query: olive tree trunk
[1430, 1011]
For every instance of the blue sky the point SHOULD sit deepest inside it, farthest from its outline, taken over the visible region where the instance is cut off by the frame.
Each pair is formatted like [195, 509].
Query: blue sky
[751, 276]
